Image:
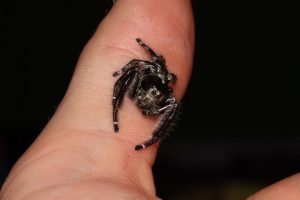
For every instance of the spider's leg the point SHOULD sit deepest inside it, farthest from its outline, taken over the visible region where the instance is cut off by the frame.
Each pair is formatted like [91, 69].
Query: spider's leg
[120, 88]
[132, 89]
[162, 129]
[172, 77]
[150, 51]
[129, 65]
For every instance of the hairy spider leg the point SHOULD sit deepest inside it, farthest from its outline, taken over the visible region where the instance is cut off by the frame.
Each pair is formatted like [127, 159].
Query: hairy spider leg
[150, 51]
[172, 77]
[132, 89]
[132, 63]
[162, 129]
[120, 88]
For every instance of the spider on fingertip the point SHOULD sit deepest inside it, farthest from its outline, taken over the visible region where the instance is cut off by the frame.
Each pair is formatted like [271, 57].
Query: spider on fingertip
[147, 83]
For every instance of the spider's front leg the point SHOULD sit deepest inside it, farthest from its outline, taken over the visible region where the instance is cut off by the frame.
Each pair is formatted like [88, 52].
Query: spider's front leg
[120, 88]
[133, 63]
[168, 115]
[154, 56]
[150, 51]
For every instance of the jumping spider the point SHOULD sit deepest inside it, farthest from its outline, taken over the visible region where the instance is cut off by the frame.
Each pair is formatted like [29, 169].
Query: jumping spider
[147, 84]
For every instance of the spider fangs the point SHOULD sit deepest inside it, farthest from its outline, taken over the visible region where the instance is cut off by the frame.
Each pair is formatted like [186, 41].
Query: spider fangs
[147, 83]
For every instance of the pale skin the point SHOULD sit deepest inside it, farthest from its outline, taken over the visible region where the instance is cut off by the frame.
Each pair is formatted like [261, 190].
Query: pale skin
[78, 155]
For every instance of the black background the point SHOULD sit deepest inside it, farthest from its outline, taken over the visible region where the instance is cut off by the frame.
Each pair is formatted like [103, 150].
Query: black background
[240, 122]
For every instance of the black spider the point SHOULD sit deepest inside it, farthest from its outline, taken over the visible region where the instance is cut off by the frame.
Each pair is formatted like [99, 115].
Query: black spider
[147, 84]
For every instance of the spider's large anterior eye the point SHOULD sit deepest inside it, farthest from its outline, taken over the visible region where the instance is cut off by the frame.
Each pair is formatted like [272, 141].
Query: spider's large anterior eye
[154, 92]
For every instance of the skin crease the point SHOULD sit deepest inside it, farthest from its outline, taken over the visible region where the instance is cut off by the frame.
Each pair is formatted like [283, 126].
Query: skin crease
[78, 155]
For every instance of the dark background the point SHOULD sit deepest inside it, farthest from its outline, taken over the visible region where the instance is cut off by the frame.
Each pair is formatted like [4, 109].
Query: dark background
[240, 127]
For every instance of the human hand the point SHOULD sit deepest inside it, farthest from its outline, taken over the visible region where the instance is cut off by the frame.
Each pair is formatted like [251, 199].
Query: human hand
[286, 189]
[78, 155]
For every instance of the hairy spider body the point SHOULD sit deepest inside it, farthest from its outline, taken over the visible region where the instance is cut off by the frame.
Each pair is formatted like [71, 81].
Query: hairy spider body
[147, 82]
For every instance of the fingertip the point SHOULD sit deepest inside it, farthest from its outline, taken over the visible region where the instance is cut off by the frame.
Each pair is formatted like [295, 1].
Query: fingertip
[112, 46]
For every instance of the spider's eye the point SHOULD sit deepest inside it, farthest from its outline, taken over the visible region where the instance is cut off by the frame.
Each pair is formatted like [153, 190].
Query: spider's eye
[155, 92]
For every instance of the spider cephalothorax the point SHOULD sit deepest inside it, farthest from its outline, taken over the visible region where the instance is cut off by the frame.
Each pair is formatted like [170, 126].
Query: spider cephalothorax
[147, 84]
